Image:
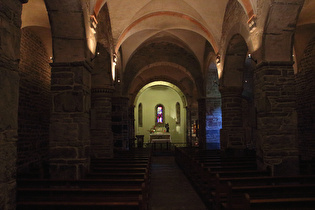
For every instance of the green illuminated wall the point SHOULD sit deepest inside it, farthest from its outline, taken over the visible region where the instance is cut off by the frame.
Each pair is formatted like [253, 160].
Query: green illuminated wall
[167, 96]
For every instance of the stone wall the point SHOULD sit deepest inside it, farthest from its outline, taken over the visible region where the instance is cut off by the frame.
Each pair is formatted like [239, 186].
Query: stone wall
[34, 103]
[275, 101]
[305, 89]
[69, 145]
[213, 123]
[10, 24]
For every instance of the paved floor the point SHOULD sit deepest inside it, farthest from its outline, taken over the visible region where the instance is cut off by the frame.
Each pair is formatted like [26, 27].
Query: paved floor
[170, 189]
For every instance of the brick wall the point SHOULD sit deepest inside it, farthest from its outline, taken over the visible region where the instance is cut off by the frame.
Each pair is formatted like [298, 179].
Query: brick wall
[305, 87]
[10, 23]
[34, 103]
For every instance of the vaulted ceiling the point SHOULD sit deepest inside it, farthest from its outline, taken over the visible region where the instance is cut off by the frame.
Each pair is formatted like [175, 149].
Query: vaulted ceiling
[159, 39]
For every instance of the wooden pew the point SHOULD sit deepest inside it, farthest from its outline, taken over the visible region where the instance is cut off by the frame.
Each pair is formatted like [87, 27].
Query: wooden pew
[79, 194]
[119, 183]
[125, 203]
[285, 194]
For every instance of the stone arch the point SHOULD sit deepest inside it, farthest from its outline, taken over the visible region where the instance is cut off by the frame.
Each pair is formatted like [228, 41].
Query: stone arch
[143, 58]
[277, 39]
[234, 62]
[231, 88]
[68, 31]
[167, 81]
[235, 22]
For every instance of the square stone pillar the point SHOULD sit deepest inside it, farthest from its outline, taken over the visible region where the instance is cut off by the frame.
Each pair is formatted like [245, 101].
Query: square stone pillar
[10, 33]
[232, 133]
[202, 122]
[213, 122]
[276, 117]
[70, 120]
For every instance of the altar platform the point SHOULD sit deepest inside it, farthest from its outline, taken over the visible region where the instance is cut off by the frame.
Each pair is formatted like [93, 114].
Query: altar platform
[160, 137]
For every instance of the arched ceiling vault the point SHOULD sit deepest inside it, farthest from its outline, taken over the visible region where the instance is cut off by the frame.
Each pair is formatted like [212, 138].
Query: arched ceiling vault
[186, 27]
[162, 83]
[202, 17]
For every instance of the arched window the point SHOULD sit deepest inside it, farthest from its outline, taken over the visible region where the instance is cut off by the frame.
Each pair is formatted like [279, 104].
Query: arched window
[159, 109]
[177, 113]
[140, 115]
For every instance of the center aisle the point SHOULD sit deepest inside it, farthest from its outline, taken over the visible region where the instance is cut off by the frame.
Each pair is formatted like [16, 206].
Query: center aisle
[170, 189]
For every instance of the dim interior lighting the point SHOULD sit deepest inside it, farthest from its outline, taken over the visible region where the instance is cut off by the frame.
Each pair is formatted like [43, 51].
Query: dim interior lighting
[98, 53]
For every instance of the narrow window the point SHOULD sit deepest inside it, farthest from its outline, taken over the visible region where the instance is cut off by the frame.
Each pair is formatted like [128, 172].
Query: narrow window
[177, 113]
[159, 114]
[140, 115]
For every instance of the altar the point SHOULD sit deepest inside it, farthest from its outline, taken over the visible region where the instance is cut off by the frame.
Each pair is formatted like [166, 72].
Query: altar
[160, 137]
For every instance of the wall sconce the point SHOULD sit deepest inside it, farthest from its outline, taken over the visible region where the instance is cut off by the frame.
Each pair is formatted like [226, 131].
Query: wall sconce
[115, 59]
[93, 23]
[251, 57]
[97, 54]
[218, 59]
[252, 23]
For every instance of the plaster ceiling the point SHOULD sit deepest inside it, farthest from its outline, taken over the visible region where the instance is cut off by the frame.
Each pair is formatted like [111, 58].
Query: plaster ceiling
[190, 24]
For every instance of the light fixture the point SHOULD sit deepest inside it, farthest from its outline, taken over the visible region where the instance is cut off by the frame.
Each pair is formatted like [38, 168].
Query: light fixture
[251, 57]
[218, 59]
[252, 23]
[115, 59]
[93, 23]
[96, 54]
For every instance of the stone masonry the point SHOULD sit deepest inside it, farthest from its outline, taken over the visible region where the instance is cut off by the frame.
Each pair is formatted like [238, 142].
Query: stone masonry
[276, 117]
[70, 120]
[10, 24]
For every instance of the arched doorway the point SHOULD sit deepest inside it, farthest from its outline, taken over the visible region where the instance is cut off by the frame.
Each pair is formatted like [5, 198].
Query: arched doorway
[173, 102]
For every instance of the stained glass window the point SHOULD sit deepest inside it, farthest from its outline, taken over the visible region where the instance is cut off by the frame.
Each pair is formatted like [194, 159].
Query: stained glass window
[159, 114]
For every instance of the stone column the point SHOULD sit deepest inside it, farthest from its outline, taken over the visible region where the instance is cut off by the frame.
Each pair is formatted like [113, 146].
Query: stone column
[120, 122]
[213, 122]
[70, 120]
[101, 123]
[10, 32]
[276, 117]
[202, 122]
[232, 132]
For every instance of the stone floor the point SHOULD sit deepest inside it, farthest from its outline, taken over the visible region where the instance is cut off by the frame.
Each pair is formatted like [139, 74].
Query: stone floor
[170, 189]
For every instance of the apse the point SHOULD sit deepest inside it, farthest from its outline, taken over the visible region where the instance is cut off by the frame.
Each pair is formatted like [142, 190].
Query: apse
[160, 108]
